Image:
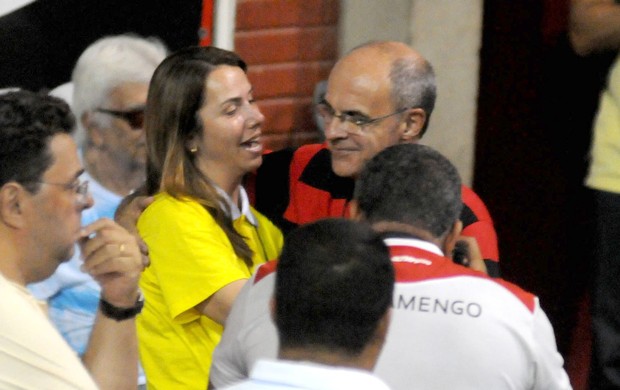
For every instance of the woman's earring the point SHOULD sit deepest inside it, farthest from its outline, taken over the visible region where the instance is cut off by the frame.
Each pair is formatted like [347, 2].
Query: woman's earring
[193, 150]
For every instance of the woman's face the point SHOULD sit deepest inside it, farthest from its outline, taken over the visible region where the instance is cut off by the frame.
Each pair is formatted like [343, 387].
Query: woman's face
[230, 144]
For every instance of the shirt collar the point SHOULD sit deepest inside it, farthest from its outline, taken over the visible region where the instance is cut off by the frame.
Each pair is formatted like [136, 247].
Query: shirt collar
[235, 210]
[414, 242]
[313, 376]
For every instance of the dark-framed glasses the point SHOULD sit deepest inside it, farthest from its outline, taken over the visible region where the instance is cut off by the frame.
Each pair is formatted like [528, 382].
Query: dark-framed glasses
[135, 118]
[359, 120]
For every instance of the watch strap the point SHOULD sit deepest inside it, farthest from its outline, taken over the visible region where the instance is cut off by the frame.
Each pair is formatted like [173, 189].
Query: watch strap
[121, 313]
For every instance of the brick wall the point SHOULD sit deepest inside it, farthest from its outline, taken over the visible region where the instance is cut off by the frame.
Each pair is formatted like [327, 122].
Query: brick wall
[289, 45]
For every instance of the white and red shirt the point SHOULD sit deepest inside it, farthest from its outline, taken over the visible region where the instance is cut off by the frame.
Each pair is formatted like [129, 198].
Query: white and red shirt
[451, 328]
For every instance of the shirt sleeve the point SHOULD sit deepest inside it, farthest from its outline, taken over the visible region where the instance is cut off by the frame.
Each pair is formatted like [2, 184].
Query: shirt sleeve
[550, 372]
[191, 256]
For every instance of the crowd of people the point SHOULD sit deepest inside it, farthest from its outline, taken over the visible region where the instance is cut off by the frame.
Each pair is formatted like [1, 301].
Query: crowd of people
[361, 262]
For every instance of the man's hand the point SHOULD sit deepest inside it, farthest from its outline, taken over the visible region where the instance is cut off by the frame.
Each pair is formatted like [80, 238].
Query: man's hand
[127, 215]
[594, 26]
[112, 256]
[129, 211]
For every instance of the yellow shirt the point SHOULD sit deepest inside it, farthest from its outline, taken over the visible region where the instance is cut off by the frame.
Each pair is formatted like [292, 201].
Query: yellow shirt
[191, 259]
[604, 173]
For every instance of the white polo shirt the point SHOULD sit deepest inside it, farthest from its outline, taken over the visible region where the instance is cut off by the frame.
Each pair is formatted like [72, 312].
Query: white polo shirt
[451, 328]
[286, 374]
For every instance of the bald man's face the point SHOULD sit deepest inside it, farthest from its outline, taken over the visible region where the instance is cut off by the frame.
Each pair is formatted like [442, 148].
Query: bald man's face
[360, 87]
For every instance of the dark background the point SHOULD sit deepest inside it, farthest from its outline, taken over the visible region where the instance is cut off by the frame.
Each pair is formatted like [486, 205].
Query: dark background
[536, 105]
[40, 43]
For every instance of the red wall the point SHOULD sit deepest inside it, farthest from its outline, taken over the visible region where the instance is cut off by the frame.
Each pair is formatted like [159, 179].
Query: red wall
[289, 47]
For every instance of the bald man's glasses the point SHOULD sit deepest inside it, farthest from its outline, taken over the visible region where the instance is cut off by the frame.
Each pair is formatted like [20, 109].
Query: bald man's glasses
[135, 118]
[327, 114]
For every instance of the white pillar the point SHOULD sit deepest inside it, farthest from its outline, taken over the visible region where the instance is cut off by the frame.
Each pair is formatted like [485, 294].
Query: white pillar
[224, 24]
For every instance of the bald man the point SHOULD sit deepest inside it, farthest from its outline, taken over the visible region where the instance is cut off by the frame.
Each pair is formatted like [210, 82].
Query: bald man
[379, 94]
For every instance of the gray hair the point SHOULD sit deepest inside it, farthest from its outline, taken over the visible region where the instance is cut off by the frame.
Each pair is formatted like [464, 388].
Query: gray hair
[412, 77]
[107, 63]
[413, 85]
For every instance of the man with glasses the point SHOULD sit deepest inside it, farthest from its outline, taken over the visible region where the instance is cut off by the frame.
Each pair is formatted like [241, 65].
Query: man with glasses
[378, 95]
[110, 83]
[42, 197]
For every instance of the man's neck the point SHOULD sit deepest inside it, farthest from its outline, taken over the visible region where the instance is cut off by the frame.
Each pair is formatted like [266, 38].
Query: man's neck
[113, 174]
[399, 227]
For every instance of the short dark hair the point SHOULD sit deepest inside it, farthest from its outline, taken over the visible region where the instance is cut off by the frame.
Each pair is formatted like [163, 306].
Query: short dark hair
[28, 121]
[333, 286]
[411, 184]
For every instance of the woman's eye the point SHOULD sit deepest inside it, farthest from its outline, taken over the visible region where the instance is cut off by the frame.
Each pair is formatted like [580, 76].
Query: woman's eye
[230, 111]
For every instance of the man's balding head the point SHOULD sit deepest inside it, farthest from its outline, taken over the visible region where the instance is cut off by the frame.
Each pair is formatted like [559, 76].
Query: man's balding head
[388, 85]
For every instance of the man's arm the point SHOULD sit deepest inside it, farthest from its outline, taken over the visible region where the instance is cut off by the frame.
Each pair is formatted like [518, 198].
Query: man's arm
[477, 223]
[550, 372]
[594, 26]
[113, 258]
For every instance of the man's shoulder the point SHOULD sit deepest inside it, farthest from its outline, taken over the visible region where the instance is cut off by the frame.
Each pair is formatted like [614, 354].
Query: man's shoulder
[33, 345]
[413, 265]
[310, 150]
[267, 269]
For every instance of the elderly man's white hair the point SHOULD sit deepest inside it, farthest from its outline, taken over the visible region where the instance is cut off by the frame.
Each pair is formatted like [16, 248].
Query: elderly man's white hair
[107, 63]
[65, 92]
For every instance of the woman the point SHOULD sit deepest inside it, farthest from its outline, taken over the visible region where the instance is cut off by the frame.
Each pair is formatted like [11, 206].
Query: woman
[203, 132]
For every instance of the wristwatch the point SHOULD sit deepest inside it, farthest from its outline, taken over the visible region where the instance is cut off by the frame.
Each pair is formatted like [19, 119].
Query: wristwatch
[121, 313]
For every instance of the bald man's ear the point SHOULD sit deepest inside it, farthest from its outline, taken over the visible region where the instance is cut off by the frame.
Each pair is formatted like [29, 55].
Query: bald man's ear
[413, 123]
[12, 202]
